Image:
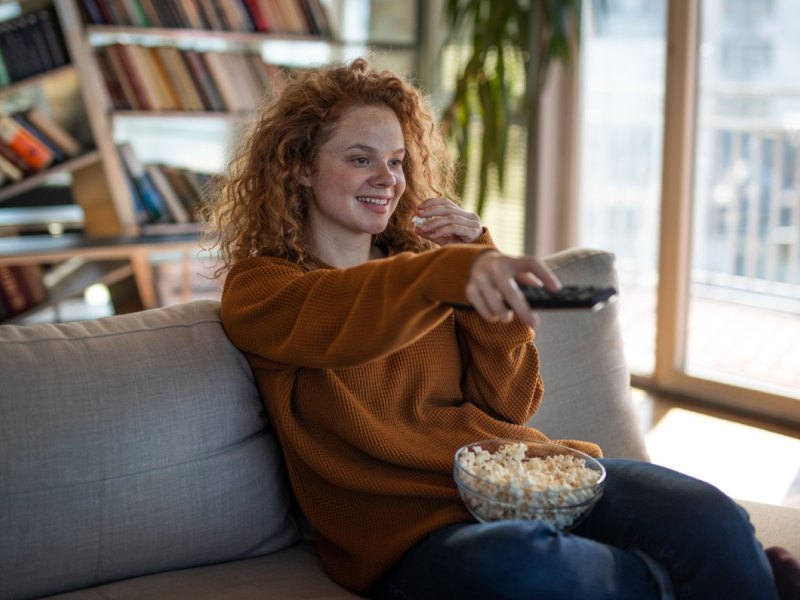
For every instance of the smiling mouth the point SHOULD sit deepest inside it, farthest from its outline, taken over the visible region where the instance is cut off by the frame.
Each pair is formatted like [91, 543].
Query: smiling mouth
[371, 200]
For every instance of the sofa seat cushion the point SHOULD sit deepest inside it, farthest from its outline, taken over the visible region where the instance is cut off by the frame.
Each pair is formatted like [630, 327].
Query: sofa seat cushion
[775, 525]
[132, 445]
[291, 574]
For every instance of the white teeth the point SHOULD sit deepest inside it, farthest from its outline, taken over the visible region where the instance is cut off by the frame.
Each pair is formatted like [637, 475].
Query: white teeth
[373, 200]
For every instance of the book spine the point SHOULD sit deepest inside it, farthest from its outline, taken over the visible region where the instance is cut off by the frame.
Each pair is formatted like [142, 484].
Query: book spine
[20, 167]
[117, 75]
[138, 15]
[12, 293]
[259, 22]
[177, 210]
[91, 12]
[58, 154]
[212, 99]
[153, 203]
[49, 127]
[131, 72]
[54, 37]
[24, 144]
[8, 167]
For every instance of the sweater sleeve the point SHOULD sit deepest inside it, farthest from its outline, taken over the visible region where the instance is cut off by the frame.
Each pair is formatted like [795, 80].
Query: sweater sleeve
[501, 367]
[335, 318]
[501, 364]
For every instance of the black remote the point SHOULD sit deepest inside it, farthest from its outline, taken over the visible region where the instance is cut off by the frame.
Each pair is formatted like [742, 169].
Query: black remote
[570, 296]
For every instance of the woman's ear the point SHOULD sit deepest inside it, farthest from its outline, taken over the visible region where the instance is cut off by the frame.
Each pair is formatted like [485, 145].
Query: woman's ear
[305, 177]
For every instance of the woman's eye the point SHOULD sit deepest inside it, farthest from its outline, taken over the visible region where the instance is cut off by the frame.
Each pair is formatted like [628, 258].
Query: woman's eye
[360, 160]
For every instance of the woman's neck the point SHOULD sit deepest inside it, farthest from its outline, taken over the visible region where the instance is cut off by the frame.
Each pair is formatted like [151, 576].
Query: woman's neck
[343, 256]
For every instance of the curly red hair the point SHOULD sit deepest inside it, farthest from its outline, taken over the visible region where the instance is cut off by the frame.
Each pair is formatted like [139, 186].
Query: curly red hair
[261, 209]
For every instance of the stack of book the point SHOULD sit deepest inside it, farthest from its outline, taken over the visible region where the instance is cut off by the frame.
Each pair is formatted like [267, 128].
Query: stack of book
[30, 142]
[167, 199]
[164, 78]
[21, 288]
[31, 44]
[304, 17]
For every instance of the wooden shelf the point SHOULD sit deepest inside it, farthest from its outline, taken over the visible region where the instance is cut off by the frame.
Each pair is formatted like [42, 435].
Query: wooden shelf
[17, 86]
[75, 282]
[39, 249]
[104, 33]
[183, 114]
[38, 179]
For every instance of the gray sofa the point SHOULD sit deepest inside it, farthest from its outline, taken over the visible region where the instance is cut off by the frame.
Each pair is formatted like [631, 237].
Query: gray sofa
[136, 461]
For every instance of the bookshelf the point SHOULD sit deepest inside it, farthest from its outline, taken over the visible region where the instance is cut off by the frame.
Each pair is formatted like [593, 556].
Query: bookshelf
[194, 137]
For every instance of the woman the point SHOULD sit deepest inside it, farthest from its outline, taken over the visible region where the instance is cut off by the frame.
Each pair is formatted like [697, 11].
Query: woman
[344, 304]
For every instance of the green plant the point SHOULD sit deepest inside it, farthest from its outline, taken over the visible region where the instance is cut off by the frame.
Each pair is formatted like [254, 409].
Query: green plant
[512, 44]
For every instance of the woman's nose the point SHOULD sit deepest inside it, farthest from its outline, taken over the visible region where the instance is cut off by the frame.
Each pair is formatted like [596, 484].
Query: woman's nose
[383, 176]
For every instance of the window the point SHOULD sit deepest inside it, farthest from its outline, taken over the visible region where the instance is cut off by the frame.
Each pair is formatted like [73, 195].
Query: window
[693, 183]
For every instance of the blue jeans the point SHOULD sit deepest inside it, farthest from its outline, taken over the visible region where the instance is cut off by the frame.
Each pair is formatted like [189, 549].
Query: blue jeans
[651, 523]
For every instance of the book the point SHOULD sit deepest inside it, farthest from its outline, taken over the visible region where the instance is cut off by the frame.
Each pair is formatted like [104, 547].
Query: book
[136, 13]
[166, 85]
[51, 128]
[176, 208]
[31, 43]
[143, 186]
[153, 16]
[224, 81]
[209, 92]
[21, 288]
[114, 84]
[210, 15]
[19, 168]
[256, 16]
[186, 192]
[56, 44]
[58, 154]
[192, 15]
[128, 76]
[271, 16]
[25, 144]
[249, 90]
[292, 15]
[178, 73]
[11, 294]
[150, 79]
[236, 16]
[91, 12]
[318, 17]
[10, 171]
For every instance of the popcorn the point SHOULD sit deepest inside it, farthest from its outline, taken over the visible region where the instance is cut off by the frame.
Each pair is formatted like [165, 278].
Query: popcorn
[510, 485]
[418, 221]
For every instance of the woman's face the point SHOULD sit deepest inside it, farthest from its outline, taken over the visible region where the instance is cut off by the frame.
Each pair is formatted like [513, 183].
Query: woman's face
[358, 176]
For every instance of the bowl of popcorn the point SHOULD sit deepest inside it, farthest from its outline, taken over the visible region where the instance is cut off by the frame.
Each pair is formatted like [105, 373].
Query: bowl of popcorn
[508, 479]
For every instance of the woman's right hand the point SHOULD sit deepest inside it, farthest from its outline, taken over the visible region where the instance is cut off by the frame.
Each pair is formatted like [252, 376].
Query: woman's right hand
[493, 285]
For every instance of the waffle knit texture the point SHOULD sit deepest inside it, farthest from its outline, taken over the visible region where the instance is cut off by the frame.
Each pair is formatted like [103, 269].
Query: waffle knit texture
[372, 381]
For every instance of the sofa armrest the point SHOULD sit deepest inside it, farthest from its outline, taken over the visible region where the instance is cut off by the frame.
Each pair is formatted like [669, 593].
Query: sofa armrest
[586, 378]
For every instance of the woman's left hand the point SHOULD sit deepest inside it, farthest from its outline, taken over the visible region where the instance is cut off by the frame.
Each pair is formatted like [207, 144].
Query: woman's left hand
[447, 223]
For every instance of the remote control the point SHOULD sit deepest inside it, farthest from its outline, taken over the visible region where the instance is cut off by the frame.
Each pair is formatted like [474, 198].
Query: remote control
[570, 296]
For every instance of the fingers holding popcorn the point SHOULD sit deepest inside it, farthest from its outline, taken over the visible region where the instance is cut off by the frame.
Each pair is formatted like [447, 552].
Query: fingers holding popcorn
[442, 221]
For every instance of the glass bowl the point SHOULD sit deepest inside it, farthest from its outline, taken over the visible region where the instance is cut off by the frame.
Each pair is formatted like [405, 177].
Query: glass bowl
[510, 479]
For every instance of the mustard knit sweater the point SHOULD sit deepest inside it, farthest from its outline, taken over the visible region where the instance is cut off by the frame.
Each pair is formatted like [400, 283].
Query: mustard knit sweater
[373, 381]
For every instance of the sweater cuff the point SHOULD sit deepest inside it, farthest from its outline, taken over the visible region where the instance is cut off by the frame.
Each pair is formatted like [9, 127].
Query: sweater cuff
[485, 239]
[450, 286]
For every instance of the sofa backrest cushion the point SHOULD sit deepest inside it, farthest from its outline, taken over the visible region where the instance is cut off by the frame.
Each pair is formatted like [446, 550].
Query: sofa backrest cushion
[130, 445]
[586, 378]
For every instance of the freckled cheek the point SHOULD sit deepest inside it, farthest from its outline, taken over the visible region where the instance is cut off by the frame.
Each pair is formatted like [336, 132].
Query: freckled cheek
[399, 186]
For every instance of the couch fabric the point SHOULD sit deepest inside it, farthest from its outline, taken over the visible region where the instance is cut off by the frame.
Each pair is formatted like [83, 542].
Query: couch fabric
[136, 460]
[131, 445]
